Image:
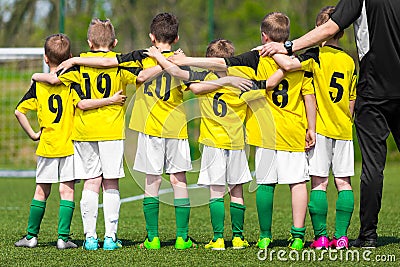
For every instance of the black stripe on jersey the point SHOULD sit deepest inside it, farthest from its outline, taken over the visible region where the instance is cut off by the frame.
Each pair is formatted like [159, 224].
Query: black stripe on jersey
[137, 55]
[259, 85]
[198, 75]
[312, 53]
[308, 74]
[249, 59]
[73, 68]
[30, 94]
[133, 70]
[78, 90]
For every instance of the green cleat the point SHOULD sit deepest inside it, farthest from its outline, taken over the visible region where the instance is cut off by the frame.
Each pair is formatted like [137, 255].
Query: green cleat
[296, 243]
[218, 244]
[153, 244]
[264, 243]
[239, 243]
[180, 243]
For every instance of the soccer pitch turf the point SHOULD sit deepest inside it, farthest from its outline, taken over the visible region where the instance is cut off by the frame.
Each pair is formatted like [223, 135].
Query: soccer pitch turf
[17, 194]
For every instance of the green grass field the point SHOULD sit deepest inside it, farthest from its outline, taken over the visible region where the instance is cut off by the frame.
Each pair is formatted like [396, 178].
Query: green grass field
[17, 194]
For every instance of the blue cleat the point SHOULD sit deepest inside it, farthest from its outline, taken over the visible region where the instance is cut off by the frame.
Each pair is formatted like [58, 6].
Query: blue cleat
[91, 243]
[110, 244]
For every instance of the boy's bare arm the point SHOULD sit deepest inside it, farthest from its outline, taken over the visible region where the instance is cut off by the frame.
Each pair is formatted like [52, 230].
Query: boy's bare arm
[23, 120]
[209, 86]
[287, 63]
[168, 66]
[311, 111]
[351, 107]
[117, 99]
[50, 78]
[96, 62]
[275, 79]
[149, 73]
[212, 63]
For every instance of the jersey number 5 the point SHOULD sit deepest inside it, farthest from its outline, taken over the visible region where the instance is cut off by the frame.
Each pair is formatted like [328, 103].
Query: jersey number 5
[339, 87]
[58, 108]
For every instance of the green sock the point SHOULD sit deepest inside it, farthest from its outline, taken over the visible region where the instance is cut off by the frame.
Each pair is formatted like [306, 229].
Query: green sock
[64, 219]
[344, 211]
[151, 207]
[298, 232]
[35, 217]
[265, 205]
[217, 212]
[318, 208]
[182, 213]
[237, 217]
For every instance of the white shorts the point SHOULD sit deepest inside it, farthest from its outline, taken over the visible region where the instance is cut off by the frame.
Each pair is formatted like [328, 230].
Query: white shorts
[282, 167]
[331, 153]
[223, 166]
[93, 159]
[154, 154]
[54, 170]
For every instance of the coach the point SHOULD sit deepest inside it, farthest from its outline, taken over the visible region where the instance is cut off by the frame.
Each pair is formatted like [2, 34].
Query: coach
[377, 109]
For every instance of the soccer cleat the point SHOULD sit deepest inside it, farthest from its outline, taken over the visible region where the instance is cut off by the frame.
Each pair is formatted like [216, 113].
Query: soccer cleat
[153, 244]
[61, 244]
[239, 243]
[180, 243]
[91, 243]
[363, 243]
[264, 243]
[218, 244]
[296, 243]
[28, 243]
[322, 242]
[340, 243]
[110, 244]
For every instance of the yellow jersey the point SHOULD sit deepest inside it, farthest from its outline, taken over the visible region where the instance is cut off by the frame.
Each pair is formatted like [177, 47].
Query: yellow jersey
[158, 109]
[223, 112]
[277, 121]
[335, 81]
[107, 122]
[55, 106]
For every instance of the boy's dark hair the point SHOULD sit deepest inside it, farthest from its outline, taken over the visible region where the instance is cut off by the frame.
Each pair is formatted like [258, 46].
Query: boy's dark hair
[323, 16]
[277, 26]
[57, 48]
[164, 27]
[101, 33]
[220, 48]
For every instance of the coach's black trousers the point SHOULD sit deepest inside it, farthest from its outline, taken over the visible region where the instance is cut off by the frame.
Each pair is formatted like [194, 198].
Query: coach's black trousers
[375, 119]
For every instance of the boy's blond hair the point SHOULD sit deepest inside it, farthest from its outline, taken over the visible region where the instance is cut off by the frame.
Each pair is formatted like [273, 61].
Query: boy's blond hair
[220, 48]
[57, 48]
[164, 27]
[323, 16]
[101, 33]
[277, 26]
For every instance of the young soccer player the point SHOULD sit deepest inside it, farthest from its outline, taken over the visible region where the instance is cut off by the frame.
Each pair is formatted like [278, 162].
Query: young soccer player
[159, 118]
[55, 111]
[224, 159]
[99, 134]
[335, 83]
[278, 128]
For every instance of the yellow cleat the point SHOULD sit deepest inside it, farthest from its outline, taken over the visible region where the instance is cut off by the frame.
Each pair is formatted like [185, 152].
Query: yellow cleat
[239, 243]
[218, 244]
